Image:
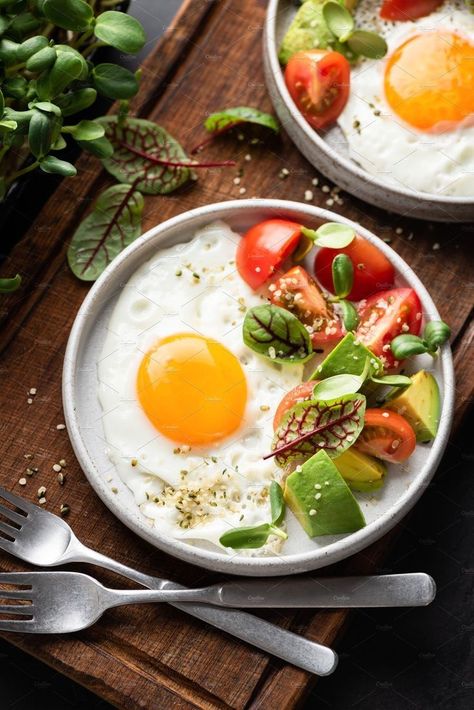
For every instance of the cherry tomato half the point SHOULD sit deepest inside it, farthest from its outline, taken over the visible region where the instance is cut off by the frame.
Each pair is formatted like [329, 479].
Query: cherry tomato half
[385, 436]
[263, 249]
[298, 292]
[318, 81]
[385, 315]
[404, 10]
[372, 269]
[297, 394]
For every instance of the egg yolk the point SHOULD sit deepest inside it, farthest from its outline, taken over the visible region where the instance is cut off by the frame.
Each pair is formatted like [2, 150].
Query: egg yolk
[429, 81]
[192, 389]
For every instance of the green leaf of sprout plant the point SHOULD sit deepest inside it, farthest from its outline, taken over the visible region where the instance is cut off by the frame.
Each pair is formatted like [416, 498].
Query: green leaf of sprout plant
[350, 317]
[51, 164]
[31, 46]
[312, 425]
[42, 60]
[229, 117]
[73, 15]
[342, 275]
[120, 31]
[10, 285]
[404, 346]
[114, 82]
[133, 142]
[367, 44]
[277, 503]
[113, 224]
[247, 538]
[7, 126]
[436, 333]
[40, 133]
[67, 68]
[340, 385]
[330, 234]
[276, 334]
[85, 130]
[100, 147]
[338, 19]
[75, 101]
[392, 380]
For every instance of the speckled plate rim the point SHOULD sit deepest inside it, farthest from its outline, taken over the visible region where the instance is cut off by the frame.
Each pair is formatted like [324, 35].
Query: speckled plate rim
[344, 171]
[103, 289]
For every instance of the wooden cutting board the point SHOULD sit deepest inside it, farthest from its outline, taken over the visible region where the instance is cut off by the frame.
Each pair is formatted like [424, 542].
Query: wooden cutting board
[156, 657]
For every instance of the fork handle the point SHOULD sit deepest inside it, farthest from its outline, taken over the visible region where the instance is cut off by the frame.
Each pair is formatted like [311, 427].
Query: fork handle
[288, 646]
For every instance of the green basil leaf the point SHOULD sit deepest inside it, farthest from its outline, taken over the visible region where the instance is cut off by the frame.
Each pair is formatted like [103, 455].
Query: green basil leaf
[76, 101]
[342, 275]
[229, 117]
[42, 60]
[404, 346]
[277, 503]
[392, 380]
[368, 44]
[331, 234]
[31, 46]
[247, 538]
[9, 285]
[85, 130]
[312, 425]
[100, 147]
[276, 334]
[51, 164]
[113, 224]
[350, 317]
[120, 31]
[73, 15]
[436, 333]
[138, 137]
[337, 386]
[338, 19]
[114, 81]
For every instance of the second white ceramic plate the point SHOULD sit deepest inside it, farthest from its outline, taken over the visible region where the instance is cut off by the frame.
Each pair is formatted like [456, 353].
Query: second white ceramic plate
[83, 411]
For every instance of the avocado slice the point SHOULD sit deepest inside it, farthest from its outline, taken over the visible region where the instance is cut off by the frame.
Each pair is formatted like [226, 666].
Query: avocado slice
[361, 472]
[309, 31]
[320, 498]
[348, 358]
[420, 404]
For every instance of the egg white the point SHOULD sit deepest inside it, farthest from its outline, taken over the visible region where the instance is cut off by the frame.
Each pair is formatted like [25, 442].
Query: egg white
[230, 479]
[379, 141]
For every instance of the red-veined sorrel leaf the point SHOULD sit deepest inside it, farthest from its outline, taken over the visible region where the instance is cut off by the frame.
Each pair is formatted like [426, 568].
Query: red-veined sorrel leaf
[314, 424]
[145, 138]
[223, 121]
[113, 224]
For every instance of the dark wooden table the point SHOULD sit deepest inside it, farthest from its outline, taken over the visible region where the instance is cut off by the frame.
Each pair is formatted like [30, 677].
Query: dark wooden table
[157, 657]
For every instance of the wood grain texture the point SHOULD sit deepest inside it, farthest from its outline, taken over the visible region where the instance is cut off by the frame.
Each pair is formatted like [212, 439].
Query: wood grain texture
[153, 657]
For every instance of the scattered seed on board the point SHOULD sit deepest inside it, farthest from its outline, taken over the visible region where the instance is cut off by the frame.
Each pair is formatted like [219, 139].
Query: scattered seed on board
[242, 190]
[41, 491]
[28, 456]
[399, 230]
[33, 391]
[42, 501]
[61, 479]
[22, 481]
[29, 400]
[63, 463]
[64, 509]
[29, 472]
[60, 427]
[56, 467]
[308, 195]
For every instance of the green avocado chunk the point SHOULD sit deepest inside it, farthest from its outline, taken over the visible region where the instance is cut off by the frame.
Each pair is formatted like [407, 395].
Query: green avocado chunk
[309, 31]
[420, 404]
[348, 358]
[361, 472]
[320, 498]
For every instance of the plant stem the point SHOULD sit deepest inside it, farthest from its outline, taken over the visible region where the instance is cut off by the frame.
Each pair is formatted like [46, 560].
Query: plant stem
[92, 47]
[214, 135]
[23, 171]
[175, 163]
[82, 39]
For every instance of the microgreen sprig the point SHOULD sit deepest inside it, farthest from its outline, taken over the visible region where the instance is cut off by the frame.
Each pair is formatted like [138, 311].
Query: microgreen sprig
[343, 279]
[251, 537]
[341, 24]
[434, 335]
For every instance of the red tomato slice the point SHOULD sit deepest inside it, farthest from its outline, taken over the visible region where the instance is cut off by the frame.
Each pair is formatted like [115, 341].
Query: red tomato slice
[297, 394]
[404, 10]
[263, 249]
[298, 292]
[372, 269]
[385, 315]
[318, 81]
[386, 435]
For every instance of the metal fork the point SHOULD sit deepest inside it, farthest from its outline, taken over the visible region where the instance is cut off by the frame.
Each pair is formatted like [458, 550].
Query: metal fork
[44, 539]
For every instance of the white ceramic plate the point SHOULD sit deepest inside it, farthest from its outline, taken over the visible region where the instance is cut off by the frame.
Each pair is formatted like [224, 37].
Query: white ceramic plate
[329, 152]
[83, 412]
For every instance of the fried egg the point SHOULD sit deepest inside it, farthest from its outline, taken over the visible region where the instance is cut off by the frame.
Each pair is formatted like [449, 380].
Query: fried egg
[410, 116]
[187, 407]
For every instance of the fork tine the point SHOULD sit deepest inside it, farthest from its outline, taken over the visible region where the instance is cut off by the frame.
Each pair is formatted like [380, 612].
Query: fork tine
[8, 529]
[8, 546]
[17, 577]
[21, 503]
[23, 609]
[12, 514]
[15, 594]
[21, 625]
